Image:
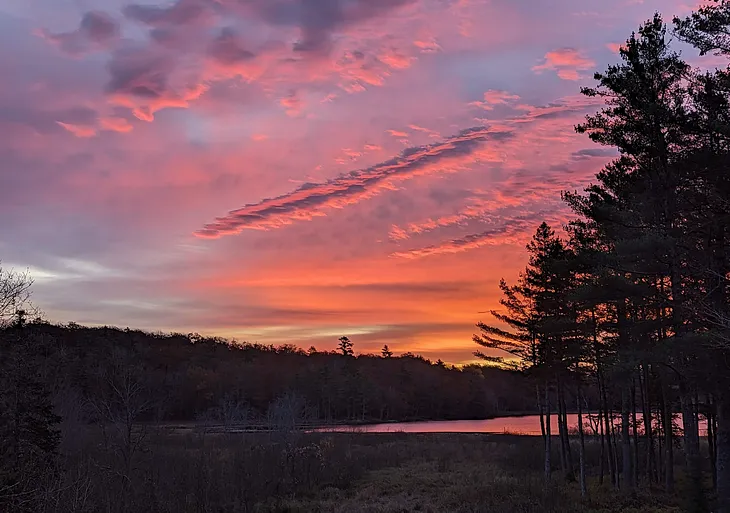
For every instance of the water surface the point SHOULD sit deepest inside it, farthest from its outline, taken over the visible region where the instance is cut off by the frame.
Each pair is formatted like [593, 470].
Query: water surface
[523, 425]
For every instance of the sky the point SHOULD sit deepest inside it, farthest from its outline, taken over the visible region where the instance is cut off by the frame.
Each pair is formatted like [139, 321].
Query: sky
[292, 171]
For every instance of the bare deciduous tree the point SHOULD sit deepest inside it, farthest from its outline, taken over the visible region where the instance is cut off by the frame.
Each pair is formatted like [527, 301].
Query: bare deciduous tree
[119, 403]
[15, 291]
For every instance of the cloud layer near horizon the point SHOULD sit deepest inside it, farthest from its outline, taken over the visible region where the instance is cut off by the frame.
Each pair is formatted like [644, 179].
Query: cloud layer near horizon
[158, 159]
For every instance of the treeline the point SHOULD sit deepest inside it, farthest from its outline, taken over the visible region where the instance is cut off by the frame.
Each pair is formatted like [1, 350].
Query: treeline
[632, 297]
[188, 377]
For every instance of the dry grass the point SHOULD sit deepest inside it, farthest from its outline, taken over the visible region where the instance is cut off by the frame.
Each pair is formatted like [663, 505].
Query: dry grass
[467, 474]
[328, 473]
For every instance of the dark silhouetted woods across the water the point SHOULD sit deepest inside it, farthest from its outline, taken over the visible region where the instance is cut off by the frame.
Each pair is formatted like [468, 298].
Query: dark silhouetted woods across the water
[626, 311]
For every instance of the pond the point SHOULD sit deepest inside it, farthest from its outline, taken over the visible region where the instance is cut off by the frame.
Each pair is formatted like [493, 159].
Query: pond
[522, 425]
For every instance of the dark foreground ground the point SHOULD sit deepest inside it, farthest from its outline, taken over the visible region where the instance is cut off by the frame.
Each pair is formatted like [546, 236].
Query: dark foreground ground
[333, 472]
[461, 473]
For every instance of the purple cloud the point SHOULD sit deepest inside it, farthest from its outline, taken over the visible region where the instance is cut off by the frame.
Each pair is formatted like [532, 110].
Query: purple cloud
[181, 13]
[143, 80]
[97, 31]
[228, 50]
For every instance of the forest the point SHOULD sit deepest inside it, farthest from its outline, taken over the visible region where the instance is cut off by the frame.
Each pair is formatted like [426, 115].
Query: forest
[632, 294]
[622, 316]
[191, 378]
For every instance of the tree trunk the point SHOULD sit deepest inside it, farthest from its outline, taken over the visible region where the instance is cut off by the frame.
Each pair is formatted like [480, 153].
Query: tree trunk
[668, 447]
[614, 436]
[548, 437]
[646, 417]
[570, 472]
[602, 432]
[609, 437]
[634, 428]
[541, 410]
[692, 450]
[711, 439]
[660, 448]
[582, 450]
[626, 456]
[561, 433]
[723, 452]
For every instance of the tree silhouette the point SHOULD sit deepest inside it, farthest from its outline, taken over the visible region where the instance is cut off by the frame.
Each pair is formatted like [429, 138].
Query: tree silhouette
[345, 346]
[15, 292]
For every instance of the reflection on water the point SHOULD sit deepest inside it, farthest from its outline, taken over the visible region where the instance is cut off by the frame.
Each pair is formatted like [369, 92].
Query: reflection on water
[525, 425]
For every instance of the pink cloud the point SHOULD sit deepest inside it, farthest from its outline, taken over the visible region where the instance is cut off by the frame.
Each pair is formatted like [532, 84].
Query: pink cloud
[312, 200]
[427, 45]
[397, 133]
[292, 103]
[81, 131]
[478, 208]
[395, 59]
[543, 132]
[516, 230]
[495, 97]
[115, 124]
[431, 133]
[614, 47]
[566, 62]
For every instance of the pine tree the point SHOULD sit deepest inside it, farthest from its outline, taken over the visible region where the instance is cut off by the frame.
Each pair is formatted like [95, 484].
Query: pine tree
[541, 332]
[637, 204]
[345, 346]
[708, 29]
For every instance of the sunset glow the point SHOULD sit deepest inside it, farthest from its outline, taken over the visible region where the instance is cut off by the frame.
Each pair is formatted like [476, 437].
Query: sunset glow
[291, 171]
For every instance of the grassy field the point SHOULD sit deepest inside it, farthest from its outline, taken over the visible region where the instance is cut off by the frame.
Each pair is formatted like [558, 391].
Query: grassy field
[462, 473]
[295, 472]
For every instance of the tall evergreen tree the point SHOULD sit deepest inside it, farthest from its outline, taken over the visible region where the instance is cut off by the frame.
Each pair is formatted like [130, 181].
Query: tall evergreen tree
[637, 203]
[540, 332]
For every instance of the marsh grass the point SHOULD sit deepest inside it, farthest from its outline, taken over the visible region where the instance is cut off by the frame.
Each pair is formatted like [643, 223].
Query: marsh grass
[469, 474]
[329, 472]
